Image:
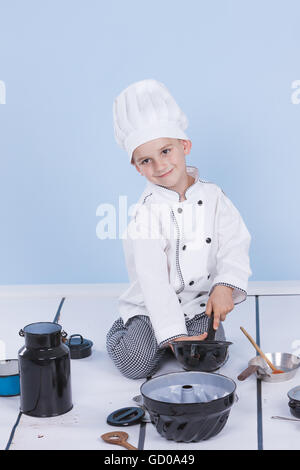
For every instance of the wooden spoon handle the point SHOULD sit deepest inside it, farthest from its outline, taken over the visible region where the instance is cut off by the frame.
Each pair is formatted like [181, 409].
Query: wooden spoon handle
[258, 349]
[247, 372]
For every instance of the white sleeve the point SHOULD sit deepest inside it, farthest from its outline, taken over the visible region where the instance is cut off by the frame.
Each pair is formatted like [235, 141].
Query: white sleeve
[151, 265]
[233, 265]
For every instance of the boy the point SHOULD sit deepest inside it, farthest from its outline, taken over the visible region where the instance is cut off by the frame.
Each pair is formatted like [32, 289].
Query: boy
[186, 247]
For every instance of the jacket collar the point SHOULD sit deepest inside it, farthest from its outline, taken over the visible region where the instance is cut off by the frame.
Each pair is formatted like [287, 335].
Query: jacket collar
[172, 195]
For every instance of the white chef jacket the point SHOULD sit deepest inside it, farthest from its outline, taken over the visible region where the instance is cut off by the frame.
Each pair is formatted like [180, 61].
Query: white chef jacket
[176, 252]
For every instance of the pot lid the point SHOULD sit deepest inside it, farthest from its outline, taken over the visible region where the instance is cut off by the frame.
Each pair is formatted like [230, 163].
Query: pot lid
[126, 416]
[188, 387]
[79, 347]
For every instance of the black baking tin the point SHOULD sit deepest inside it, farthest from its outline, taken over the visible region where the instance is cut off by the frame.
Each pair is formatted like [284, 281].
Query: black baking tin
[189, 422]
[204, 356]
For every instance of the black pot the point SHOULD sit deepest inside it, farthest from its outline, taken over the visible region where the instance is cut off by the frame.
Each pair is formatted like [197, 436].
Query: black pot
[45, 372]
[189, 406]
[294, 403]
[205, 356]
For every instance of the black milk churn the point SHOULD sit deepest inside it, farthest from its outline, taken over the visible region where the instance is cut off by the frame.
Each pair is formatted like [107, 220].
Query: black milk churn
[45, 371]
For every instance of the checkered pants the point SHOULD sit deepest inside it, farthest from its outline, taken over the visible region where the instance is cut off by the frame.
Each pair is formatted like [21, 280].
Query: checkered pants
[133, 347]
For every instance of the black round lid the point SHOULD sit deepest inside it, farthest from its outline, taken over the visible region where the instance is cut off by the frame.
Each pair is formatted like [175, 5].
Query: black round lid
[79, 347]
[126, 416]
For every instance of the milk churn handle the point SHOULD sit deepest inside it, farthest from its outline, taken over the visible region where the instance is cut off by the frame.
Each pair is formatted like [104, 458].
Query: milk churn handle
[21, 333]
[64, 336]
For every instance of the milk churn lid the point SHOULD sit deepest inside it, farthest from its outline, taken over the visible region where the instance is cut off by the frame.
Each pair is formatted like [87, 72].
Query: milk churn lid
[79, 347]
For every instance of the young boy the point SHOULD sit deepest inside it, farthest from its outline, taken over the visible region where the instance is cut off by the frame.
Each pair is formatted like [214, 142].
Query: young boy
[186, 246]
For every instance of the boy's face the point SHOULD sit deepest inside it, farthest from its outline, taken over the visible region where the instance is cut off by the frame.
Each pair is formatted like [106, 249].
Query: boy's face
[162, 161]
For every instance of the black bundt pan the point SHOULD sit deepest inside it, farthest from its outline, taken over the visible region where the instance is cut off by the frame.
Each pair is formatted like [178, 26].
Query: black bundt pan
[205, 356]
[189, 422]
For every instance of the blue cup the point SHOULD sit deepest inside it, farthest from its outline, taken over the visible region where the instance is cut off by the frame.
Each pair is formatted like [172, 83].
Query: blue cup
[9, 378]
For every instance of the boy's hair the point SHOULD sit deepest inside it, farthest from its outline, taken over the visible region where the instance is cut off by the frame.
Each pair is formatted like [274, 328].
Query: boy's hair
[132, 160]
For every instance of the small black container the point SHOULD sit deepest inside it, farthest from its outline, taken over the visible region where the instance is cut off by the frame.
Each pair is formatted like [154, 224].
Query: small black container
[79, 347]
[45, 371]
[294, 403]
[189, 406]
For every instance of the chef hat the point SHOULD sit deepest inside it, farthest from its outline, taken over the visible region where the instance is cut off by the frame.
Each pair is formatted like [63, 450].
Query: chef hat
[145, 111]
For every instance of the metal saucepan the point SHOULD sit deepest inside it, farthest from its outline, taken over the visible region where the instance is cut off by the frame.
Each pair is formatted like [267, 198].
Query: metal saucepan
[287, 362]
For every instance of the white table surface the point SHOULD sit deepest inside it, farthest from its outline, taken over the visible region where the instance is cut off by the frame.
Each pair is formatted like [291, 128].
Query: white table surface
[98, 388]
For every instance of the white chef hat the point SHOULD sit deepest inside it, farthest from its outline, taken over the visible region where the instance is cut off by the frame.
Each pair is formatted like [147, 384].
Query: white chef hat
[145, 111]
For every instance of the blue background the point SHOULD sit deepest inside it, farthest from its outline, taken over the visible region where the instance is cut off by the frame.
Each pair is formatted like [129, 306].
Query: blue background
[229, 64]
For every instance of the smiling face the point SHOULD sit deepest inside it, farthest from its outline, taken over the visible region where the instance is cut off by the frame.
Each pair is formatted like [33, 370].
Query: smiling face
[162, 161]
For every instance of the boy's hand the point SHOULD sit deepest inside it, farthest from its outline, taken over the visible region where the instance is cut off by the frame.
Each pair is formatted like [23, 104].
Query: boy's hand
[220, 302]
[188, 338]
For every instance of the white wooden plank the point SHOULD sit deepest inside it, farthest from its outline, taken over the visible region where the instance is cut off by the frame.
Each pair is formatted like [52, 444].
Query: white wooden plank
[98, 389]
[279, 331]
[92, 317]
[274, 288]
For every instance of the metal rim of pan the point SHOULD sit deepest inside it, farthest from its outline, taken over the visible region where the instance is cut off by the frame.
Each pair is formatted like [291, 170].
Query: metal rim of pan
[4, 362]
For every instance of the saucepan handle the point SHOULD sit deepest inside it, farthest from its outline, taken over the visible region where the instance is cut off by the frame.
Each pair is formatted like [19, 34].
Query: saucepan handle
[247, 372]
[211, 332]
